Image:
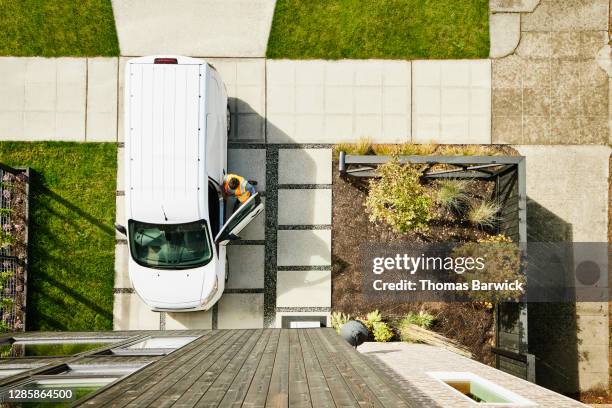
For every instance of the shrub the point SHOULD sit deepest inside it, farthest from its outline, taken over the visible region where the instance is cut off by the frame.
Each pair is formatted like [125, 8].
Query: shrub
[363, 146]
[469, 150]
[503, 261]
[398, 198]
[451, 194]
[483, 213]
[412, 149]
[422, 319]
[382, 332]
[338, 319]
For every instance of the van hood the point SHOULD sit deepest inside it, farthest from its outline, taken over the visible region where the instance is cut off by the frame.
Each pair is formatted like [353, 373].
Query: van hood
[173, 289]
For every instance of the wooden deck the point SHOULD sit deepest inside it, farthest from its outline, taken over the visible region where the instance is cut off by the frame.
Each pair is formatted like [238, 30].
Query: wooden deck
[258, 368]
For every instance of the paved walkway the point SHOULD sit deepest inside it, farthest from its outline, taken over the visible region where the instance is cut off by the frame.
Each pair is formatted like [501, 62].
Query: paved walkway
[213, 28]
[567, 190]
[410, 364]
[385, 101]
[68, 99]
[551, 90]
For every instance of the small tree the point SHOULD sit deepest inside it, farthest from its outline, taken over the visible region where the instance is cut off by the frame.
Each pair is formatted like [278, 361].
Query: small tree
[398, 198]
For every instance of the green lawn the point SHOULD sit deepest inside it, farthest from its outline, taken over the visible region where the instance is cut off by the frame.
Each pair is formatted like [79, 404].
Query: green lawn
[54, 28]
[395, 29]
[72, 210]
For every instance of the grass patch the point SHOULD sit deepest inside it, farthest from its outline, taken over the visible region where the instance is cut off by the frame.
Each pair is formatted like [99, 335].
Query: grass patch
[55, 28]
[72, 209]
[394, 29]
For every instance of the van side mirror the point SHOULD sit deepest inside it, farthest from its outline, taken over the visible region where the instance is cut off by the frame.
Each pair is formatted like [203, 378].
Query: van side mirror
[121, 229]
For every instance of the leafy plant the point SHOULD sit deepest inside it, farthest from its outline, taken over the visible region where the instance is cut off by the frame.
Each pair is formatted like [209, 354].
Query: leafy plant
[451, 194]
[502, 262]
[483, 213]
[371, 319]
[422, 319]
[398, 198]
[338, 319]
[382, 332]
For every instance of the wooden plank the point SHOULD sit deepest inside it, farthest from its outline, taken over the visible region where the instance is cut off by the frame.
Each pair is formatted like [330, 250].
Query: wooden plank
[382, 386]
[258, 390]
[364, 395]
[178, 380]
[238, 389]
[278, 393]
[152, 371]
[153, 382]
[340, 391]
[207, 377]
[299, 395]
[232, 384]
[317, 385]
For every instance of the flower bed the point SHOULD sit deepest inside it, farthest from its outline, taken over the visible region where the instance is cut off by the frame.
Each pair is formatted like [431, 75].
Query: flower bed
[13, 247]
[452, 208]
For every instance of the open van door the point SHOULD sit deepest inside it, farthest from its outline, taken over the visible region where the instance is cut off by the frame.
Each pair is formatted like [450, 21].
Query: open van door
[240, 219]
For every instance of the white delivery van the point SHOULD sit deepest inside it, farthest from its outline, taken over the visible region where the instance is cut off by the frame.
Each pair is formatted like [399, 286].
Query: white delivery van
[176, 127]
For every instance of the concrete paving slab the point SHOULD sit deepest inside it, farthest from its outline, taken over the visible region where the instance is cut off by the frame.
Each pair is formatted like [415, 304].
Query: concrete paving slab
[513, 6]
[304, 166]
[303, 289]
[120, 90]
[241, 311]
[230, 28]
[189, 320]
[102, 77]
[552, 91]
[43, 98]
[451, 102]
[120, 209]
[122, 278]
[245, 82]
[130, 313]
[248, 163]
[304, 247]
[304, 207]
[578, 192]
[504, 33]
[567, 193]
[246, 266]
[256, 230]
[120, 169]
[338, 101]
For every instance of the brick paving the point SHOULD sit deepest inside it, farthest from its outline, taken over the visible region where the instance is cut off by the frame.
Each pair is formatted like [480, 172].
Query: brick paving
[410, 363]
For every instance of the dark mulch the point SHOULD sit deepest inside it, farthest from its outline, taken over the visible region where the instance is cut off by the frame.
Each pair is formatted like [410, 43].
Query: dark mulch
[469, 324]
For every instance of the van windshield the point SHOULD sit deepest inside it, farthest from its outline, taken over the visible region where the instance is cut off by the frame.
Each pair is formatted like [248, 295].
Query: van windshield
[170, 246]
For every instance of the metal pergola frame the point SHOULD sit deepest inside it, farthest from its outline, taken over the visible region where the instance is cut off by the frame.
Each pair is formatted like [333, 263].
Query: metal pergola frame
[479, 167]
[483, 167]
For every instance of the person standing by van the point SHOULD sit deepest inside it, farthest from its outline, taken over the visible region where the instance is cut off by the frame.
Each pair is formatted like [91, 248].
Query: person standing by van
[239, 188]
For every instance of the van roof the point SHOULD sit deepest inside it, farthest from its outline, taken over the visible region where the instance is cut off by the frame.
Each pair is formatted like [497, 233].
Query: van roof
[167, 157]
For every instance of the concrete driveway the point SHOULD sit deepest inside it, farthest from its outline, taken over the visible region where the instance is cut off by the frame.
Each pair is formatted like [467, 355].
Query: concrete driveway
[213, 28]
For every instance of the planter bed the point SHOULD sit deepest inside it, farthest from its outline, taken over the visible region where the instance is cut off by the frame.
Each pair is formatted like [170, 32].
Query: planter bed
[470, 324]
[14, 195]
